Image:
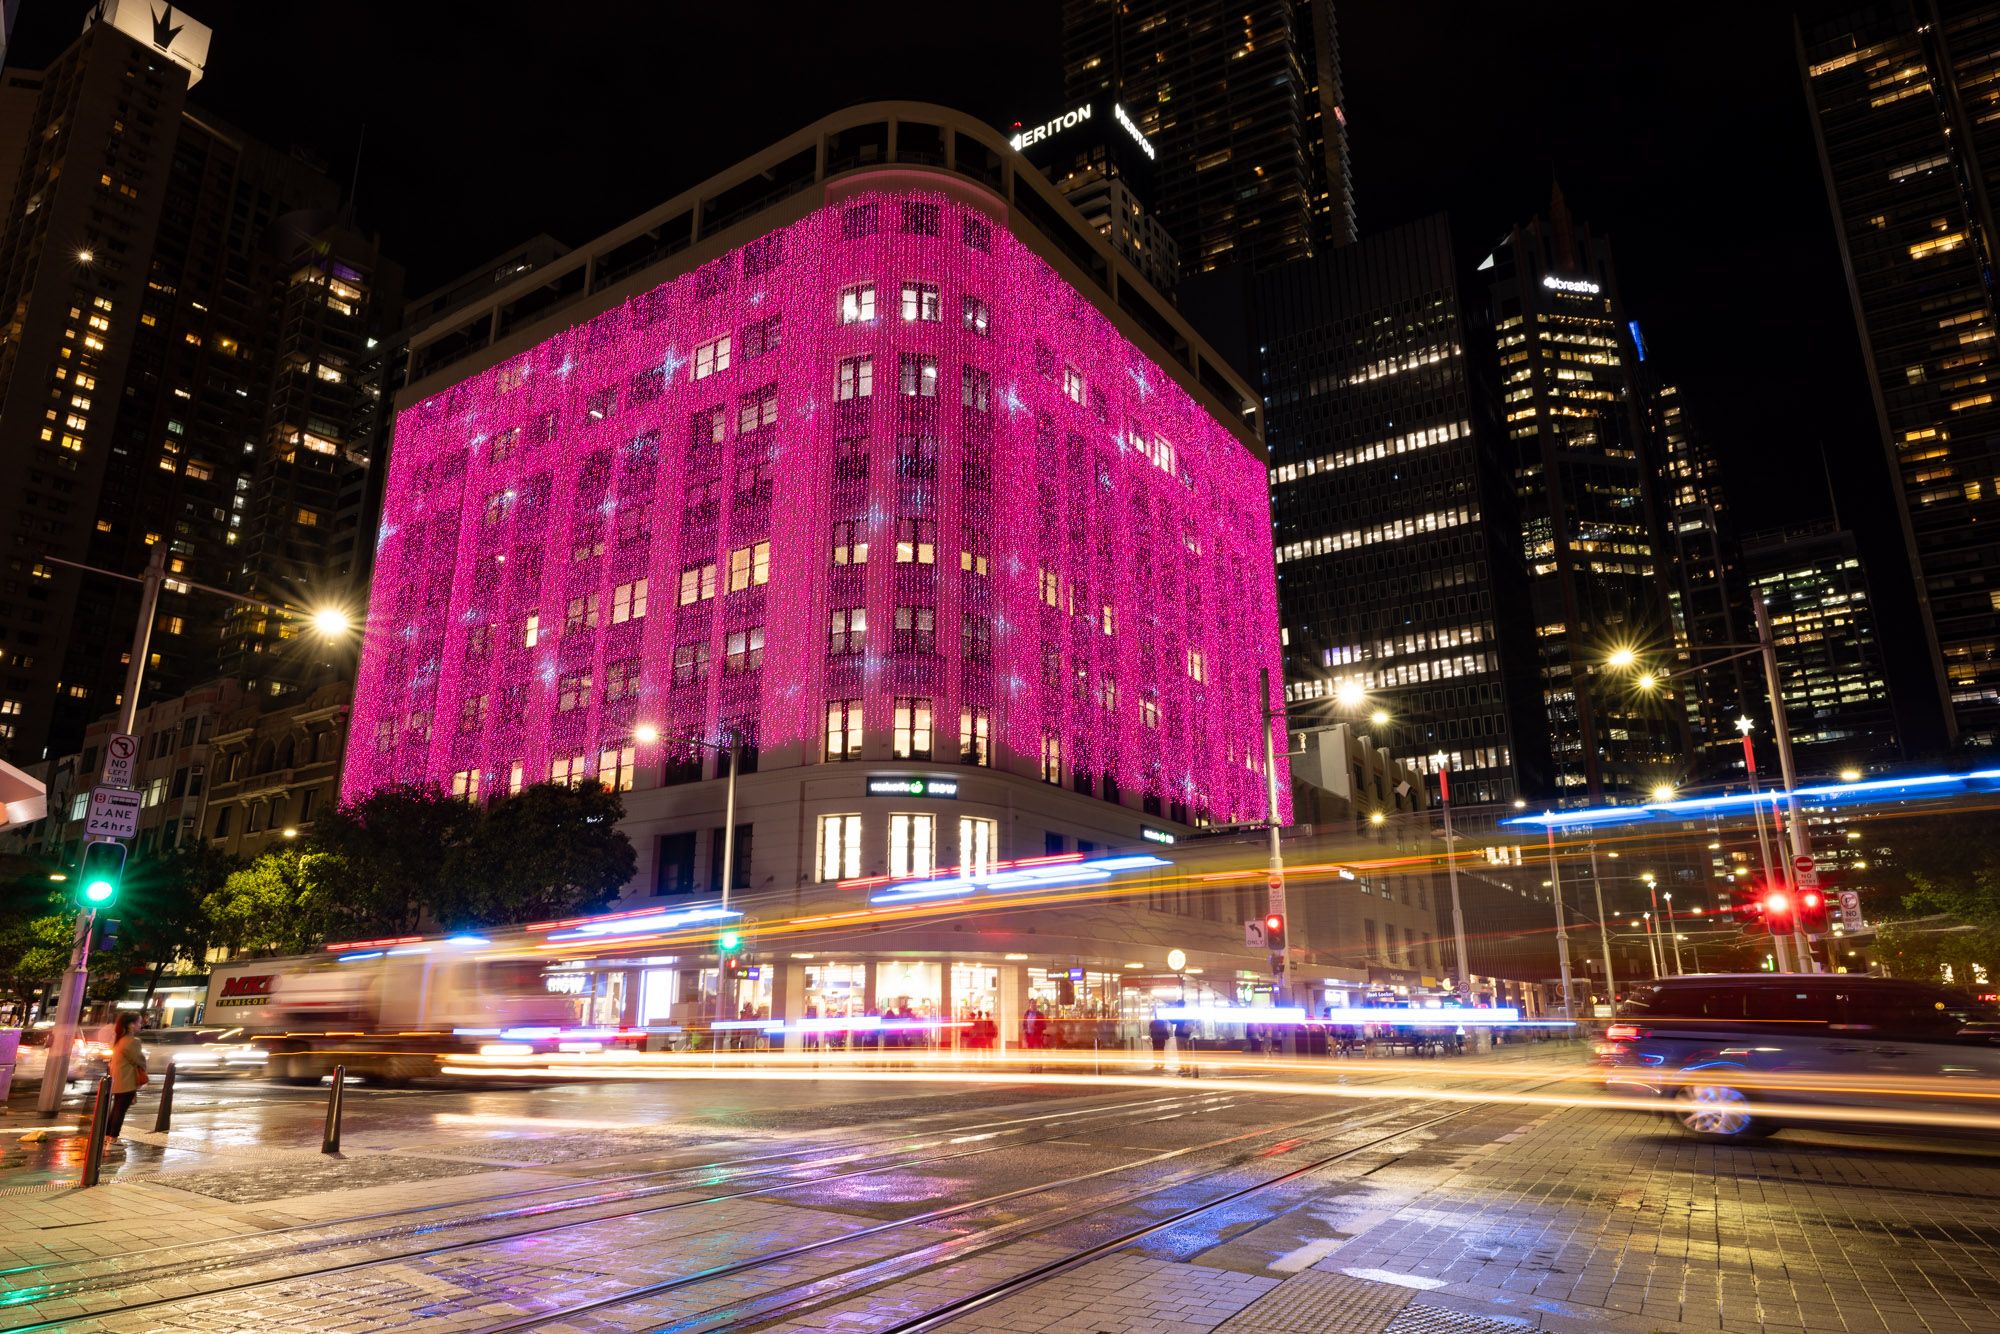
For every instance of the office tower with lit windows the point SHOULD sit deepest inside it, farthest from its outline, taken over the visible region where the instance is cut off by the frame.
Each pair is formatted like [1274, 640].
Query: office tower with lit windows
[1577, 443]
[1837, 702]
[1243, 104]
[1100, 160]
[1705, 588]
[1904, 101]
[1398, 569]
[151, 276]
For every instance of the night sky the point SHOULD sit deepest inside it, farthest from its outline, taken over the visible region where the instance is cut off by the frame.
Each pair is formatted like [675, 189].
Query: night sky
[1680, 131]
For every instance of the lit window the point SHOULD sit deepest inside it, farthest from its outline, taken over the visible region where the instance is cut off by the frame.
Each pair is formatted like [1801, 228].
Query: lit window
[749, 566]
[516, 777]
[912, 845]
[911, 739]
[621, 678]
[465, 784]
[975, 388]
[472, 714]
[697, 583]
[1197, 665]
[918, 376]
[581, 615]
[1051, 759]
[916, 542]
[1073, 384]
[757, 409]
[711, 357]
[977, 317]
[628, 602]
[601, 404]
[850, 542]
[921, 302]
[972, 562]
[976, 842]
[975, 736]
[573, 693]
[857, 303]
[1149, 712]
[531, 630]
[744, 651]
[916, 630]
[570, 770]
[857, 378]
[849, 632]
[839, 847]
[1107, 620]
[843, 729]
[615, 766]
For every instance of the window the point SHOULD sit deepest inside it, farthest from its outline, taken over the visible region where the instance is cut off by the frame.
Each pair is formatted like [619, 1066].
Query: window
[1107, 619]
[749, 567]
[465, 784]
[857, 303]
[850, 459]
[975, 388]
[582, 614]
[911, 739]
[973, 562]
[976, 842]
[843, 729]
[839, 848]
[857, 378]
[921, 218]
[615, 767]
[1072, 384]
[645, 387]
[921, 302]
[711, 357]
[516, 778]
[912, 845]
[1051, 759]
[621, 678]
[757, 409]
[850, 542]
[697, 584]
[916, 542]
[569, 770]
[628, 602]
[1149, 712]
[498, 506]
[531, 630]
[975, 637]
[753, 482]
[975, 736]
[977, 316]
[472, 714]
[916, 630]
[673, 869]
[761, 338]
[744, 651]
[858, 221]
[848, 632]
[601, 404]
[690, 663]
[710, 426]
[1197, 665]
[918, 378]
[572, 693]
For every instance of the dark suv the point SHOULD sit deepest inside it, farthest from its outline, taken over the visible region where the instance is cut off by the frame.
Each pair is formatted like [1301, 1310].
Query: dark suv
[1735, 1053]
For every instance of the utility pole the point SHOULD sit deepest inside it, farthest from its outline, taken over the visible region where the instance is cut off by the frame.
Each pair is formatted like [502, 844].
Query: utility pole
[1281, 962]
[55, 1073]
[1801, 839]
[722, 996]
[1451, 872]
[1603, 929]
[1562, 927]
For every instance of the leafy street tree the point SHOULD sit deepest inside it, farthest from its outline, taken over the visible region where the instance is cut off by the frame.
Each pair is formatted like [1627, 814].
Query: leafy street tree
[282, 903]
[394, 853]
[162, 908]
[546, 851]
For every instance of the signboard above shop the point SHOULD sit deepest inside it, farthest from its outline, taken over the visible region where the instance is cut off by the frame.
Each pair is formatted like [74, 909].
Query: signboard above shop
[914, 785]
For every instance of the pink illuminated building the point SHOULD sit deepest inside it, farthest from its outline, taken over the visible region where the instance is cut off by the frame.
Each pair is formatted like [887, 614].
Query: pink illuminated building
[898, 478]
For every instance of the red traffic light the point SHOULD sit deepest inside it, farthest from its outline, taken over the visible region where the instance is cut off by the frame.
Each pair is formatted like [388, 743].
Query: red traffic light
[1777, 903]
[1274, 922]
[1274, 932]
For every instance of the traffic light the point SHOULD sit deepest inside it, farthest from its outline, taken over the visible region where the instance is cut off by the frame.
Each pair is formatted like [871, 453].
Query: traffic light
[1274, 932]
[104, 937]
[1777, 910]
[103, 871]
[732, 966]
[729, 942]
[1812, 911]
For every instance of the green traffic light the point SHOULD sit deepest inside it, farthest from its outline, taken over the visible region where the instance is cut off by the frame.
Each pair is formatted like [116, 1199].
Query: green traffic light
[729, 941]
[98, 891]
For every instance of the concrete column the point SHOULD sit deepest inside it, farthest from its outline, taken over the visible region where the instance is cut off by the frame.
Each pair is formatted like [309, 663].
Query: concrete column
[947, 1037]
[869, 978]
[1013, 992]
[788, 1000]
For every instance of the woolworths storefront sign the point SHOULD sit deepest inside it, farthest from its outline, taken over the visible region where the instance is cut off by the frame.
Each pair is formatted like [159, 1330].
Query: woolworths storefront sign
[943, 788]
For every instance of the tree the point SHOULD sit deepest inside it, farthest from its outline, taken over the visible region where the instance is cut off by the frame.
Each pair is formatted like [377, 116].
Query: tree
[282, 903]
[394, 853]
[163, 908]
[547, 851]
[1946, 875]
[34, 952]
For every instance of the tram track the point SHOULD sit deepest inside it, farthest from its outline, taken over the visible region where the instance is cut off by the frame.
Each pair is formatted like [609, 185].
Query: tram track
[122, 1271]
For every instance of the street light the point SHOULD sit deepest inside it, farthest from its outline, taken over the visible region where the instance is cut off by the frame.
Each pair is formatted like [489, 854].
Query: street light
[332, 622]
[645, 734]
[86, 255]
[1850, 775]
[1663, 792]
[1622, 658]
[1379, 717]
[1377, 817]
[1648, 681]
[1350, 694]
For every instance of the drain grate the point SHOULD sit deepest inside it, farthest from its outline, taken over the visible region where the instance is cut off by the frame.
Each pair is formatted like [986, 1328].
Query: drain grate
[1418, 1318]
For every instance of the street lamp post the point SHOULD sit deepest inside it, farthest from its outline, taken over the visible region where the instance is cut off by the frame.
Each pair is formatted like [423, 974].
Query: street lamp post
[1281, 963]
[1673, 936]
[1562, 927]
[1603, 929]
[1451, 874]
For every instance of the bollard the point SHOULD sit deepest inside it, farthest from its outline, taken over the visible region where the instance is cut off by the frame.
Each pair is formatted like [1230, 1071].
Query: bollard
[100, 1117]
[165, 1115]
[330, 1141]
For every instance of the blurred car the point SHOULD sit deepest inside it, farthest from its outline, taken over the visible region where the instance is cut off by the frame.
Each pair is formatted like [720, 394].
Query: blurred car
[203, 1051]
[1731, 1054]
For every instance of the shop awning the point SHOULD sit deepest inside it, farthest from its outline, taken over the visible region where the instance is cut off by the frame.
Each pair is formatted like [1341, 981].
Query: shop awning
[24, 798]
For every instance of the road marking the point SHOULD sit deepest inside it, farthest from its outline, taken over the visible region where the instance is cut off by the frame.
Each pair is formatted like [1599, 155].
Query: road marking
[1391, 1276]
[1307, 1255]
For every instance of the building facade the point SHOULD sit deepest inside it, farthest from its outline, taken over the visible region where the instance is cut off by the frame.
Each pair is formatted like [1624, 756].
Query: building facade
[1398, 563]
[157, 288]
[1244, 106]
[876, 487]
[1903, 100]
[1837, 703]
[1100, 160]
[274, 770]
[1584, 483]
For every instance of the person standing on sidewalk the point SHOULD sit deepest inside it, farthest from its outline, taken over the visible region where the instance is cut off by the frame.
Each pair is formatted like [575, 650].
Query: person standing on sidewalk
[128, 1070]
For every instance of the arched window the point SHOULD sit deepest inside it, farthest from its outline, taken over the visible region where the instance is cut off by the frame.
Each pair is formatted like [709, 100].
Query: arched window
[263, 765]
[285, 754]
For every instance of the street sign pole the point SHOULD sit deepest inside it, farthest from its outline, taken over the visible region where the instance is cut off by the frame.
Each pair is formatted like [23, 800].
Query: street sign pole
[55, 1074]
